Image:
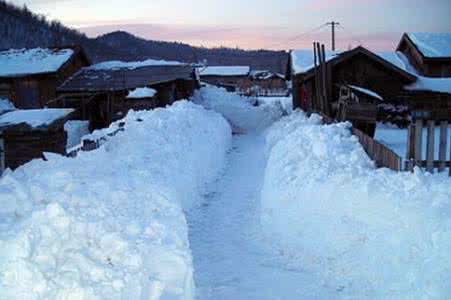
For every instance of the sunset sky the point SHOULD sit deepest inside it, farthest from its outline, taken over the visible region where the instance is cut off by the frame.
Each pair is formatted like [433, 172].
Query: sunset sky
[251, 24]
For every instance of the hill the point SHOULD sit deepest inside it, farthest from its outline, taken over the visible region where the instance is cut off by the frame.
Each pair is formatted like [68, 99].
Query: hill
[20, 28]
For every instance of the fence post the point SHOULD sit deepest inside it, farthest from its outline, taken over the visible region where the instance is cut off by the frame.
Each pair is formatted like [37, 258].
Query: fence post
[430, 147]
[443, 145]
[418, 141]
[410, 155]
[2, 154]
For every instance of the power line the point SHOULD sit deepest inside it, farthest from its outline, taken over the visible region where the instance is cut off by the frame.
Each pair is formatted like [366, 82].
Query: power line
[298, 36]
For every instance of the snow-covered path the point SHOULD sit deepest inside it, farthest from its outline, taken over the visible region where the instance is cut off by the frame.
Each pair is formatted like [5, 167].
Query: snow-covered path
[231, 259]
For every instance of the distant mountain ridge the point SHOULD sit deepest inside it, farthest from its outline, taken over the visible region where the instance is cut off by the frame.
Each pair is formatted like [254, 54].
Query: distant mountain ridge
[20, 28]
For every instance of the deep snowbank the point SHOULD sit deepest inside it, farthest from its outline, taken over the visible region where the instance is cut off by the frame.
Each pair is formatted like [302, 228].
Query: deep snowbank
[109, 224]
[242, 116]
[367, 233]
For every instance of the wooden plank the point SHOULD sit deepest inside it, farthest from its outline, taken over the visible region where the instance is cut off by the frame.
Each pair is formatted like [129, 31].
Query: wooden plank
[443, 145]
[324, 80]
[430, 146]
[410, 155]
[2, 154]
[418, 139]
[320, 77]
[316, 99]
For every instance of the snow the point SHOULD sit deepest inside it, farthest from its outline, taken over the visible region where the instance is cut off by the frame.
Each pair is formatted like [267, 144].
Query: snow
[131, 65]
[19, 62]
[75, 129]
[139, 93]
[109, 224]
[242, 116]
[285, 102]
[441, 85]
[432, 45]
[366, 233]
[6, 105]
[366, 91]
[224, 71]
[303, 60]
[35, 118]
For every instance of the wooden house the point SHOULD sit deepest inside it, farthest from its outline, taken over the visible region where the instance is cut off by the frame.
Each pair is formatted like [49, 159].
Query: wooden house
[99, 93]
[428, 53]
[233, 78]
[29, 77]
[360, 67]
[269, 83]
[27, 134]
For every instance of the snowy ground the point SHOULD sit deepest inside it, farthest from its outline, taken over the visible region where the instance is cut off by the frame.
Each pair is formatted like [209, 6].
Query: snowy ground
[109, 224]
[367, 233]
[232, 260]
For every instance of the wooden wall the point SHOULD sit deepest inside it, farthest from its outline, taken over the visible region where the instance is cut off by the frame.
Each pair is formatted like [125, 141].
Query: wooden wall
[21, 147]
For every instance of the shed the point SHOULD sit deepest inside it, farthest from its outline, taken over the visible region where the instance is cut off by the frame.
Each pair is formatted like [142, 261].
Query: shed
[233, 78]
[98, 93]
[268, 82]
[358, 67]
[428, 53]
[27, 134]
[29, 77]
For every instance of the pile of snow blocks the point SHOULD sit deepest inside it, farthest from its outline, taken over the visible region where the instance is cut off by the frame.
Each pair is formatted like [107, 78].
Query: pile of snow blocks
[109, 224]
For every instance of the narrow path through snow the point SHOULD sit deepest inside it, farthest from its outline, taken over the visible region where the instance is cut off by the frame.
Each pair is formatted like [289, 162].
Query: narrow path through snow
[231, 259]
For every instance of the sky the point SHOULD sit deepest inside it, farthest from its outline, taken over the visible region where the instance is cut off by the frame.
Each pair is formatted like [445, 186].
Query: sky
[253, 24]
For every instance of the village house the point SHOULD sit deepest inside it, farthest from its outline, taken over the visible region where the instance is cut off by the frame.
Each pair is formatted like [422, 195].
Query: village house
[29, 77]
[233, 78]
[104, 92]
[269, 83]
[27, 133]
[358, 67]
[388, 74]
[428, 53]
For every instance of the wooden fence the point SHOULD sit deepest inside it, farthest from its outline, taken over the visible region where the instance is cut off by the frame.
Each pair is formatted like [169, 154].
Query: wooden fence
[382, 156]
[415, 146]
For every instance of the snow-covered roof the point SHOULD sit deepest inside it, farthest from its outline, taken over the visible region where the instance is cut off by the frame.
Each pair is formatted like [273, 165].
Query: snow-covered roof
[20, 62]
[440, 85]
[142, 92]
[432, 45]
[303, 60]
[366, 91]
[265, 74]
[33, 118]
[6, 105]
[117, 64]
[225, 71]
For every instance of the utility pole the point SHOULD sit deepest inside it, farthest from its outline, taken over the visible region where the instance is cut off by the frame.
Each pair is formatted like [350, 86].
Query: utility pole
[333, 24]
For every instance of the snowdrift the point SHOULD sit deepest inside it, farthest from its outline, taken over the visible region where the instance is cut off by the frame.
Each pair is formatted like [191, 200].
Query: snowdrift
[369, 234]
[109, 224]
[242, 116]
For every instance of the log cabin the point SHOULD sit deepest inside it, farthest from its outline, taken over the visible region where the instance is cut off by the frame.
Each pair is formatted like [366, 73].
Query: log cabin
[269, 83]
[360, 67]
[26, 134]
[388, 74]
[428, 53]
[29, 77]
[98, 93]
[232, 78]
